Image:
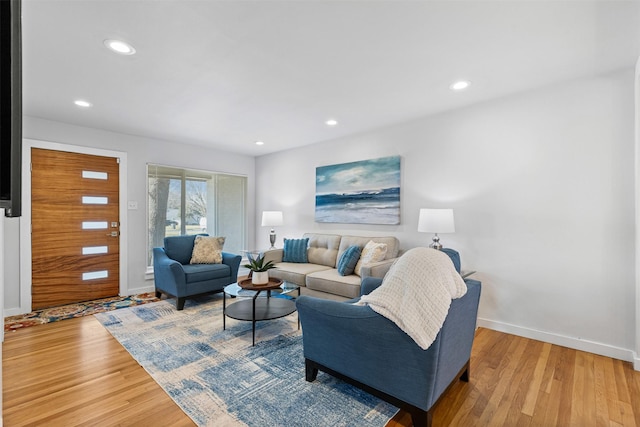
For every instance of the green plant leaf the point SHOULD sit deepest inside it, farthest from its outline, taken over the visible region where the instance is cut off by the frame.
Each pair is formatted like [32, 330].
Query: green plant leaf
[258, 265]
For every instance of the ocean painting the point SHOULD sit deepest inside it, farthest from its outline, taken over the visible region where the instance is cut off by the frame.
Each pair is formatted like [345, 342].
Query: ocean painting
[364, 192]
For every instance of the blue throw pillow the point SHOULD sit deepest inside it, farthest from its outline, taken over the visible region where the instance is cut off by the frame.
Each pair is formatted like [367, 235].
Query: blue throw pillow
[295, 250]
[348, 260]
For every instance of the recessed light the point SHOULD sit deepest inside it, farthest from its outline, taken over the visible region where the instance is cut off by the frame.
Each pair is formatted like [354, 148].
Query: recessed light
[82, 103]
[331, 122]
[259, 143]
[120, 47]
[460, 85]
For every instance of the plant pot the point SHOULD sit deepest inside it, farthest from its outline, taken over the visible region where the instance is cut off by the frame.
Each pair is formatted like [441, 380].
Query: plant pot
[260, 277]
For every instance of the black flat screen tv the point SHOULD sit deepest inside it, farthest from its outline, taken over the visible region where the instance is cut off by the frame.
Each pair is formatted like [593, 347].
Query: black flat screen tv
[10, 107]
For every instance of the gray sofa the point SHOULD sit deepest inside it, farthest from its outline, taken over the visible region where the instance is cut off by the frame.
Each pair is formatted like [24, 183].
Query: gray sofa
[319, 277]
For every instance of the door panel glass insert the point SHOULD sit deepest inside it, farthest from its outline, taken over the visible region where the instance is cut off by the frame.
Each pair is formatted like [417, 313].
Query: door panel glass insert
[94, 225]
[93, 250]
[94, 200]
[95, 175]
[95, 275]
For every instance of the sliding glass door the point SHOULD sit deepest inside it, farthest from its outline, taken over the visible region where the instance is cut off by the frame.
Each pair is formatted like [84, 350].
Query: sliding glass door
[186, 201]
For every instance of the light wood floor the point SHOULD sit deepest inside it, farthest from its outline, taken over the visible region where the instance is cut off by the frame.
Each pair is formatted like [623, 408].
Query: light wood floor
[73, 373]
[520, 382]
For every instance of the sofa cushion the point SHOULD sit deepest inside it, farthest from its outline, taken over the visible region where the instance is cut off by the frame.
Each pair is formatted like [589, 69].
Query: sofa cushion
[295, 272]
[323, 248]
[295, 250]
[201, 272]
[372, 252]
[207, 250]
[332, 282]
[179, 248]
[393, 244]
[348, 260]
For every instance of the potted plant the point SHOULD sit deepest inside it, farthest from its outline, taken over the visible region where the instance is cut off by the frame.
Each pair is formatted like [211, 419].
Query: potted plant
[259, 270]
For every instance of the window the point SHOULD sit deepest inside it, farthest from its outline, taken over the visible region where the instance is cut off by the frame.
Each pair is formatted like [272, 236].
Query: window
[185, 201]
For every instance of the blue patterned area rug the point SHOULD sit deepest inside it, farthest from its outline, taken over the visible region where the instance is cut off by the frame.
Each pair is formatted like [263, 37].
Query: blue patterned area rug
[219, 379]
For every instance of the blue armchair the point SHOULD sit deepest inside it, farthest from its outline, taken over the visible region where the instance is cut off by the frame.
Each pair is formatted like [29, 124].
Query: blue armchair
[174, 275]
[358, 345]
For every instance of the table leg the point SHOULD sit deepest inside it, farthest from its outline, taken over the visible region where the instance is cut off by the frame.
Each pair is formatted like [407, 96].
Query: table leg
[224, 309]
[253, 320]
[297, 311]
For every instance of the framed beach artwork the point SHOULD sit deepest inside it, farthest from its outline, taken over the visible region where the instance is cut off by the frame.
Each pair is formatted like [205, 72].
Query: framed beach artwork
[363, 192]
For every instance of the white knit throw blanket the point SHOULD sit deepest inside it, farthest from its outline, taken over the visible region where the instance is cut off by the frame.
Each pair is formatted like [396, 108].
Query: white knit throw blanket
[416, 293]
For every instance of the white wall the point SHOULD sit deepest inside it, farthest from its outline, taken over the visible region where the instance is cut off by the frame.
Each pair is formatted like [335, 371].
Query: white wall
[11, 245]
[140, 151]
[542, 186]
[637, 169]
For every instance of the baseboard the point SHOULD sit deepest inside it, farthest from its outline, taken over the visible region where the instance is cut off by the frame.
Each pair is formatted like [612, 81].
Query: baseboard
[142, 290]
[564, 341]
[15, 312]
[636, 361]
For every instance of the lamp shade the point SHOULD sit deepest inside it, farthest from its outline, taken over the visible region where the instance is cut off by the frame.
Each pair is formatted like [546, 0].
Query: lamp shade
[436, 221]
[271, 218]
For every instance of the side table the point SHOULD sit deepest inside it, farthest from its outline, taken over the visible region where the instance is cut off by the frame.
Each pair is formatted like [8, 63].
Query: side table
[256, 302]
[466, 273]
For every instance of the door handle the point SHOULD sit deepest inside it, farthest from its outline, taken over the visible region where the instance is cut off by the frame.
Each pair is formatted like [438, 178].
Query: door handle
[113, 234]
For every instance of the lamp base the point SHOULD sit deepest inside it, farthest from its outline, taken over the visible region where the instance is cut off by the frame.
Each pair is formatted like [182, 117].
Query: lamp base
[435, 244]
[272, 239]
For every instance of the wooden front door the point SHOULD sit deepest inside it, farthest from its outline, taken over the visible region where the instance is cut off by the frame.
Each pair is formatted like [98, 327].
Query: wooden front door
[75, 227]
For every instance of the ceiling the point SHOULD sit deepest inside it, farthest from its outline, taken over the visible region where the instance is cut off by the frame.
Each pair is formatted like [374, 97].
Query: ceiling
[226, 74]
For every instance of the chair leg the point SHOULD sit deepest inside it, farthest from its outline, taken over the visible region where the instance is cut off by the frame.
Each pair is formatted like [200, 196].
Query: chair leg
[465, 374]
[310, 370]
[180, 303]
[420, 418]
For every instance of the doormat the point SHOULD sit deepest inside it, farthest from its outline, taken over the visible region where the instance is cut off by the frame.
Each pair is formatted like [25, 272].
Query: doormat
[69, 311]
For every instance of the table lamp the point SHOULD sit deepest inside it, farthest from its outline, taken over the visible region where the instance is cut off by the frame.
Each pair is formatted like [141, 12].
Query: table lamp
[272, 219]
[436, 221]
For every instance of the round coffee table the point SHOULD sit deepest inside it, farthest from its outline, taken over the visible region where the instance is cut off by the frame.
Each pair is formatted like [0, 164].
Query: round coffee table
[259, 302]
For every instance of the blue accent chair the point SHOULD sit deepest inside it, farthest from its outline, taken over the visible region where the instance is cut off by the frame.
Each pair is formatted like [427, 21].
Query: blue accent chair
[174, 275]
[360, 346]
